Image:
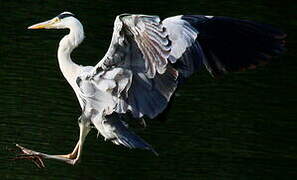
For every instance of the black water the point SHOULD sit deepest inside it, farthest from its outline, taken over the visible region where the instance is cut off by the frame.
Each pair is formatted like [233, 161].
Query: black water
[243, 126]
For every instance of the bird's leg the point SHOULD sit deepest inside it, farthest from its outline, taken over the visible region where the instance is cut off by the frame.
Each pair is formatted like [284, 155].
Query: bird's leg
[71, 158]
[85, 127]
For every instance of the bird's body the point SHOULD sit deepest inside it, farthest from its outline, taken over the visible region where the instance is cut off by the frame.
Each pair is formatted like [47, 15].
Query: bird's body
[145, 63]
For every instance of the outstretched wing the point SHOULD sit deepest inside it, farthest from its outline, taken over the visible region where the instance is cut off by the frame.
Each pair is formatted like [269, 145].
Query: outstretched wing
[160, 55]
[140, 45]
[148, 58]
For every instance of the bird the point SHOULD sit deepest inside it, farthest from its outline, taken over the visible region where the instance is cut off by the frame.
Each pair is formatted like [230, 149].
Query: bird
[147, 60]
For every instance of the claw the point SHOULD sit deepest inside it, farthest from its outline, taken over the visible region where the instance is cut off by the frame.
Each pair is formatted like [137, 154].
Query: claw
[71, 158]
[28, 154]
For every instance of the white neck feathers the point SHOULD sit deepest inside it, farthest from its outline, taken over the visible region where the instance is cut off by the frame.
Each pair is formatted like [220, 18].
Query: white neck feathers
[68, 43]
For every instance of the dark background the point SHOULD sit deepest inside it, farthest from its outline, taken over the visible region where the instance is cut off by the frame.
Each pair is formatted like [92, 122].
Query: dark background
[243, 126]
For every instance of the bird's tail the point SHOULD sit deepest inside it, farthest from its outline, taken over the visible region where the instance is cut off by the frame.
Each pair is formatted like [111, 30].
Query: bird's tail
[122, 135]
[232, 45]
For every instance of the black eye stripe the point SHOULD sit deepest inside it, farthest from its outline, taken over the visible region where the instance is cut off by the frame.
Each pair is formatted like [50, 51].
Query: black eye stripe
[61, 16]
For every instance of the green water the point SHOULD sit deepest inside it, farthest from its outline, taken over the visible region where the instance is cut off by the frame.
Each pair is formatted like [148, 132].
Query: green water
[243, 126]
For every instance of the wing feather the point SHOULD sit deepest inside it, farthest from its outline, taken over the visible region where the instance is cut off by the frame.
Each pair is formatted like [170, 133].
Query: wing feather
[160, 55]
[151, 39]
[142, 45]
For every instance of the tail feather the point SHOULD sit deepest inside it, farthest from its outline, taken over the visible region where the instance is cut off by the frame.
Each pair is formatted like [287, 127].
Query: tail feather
[124, 136]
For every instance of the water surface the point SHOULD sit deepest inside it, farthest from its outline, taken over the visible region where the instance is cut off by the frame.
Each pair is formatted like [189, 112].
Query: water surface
[240, 127]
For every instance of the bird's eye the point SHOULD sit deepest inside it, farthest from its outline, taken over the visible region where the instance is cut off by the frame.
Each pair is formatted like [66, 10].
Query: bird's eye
[56, 20]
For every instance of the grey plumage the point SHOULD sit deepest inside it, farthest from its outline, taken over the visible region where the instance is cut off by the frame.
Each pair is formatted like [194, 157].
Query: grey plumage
[146, 62]
[142, 68]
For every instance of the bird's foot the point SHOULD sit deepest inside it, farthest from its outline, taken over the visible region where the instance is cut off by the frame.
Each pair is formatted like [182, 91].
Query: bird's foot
[29, 154]
[38, 157]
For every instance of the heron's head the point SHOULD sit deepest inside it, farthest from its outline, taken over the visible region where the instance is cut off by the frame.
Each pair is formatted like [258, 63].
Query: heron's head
[62, 21]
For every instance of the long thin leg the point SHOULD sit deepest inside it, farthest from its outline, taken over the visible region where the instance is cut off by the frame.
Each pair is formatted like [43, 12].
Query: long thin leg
[85, 128]
[71, 158]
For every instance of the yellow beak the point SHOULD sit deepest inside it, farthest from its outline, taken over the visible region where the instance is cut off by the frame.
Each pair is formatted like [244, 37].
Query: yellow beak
[44, 25]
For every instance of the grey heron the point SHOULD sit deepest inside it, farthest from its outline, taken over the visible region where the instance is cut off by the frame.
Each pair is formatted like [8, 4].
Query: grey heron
[146, 61]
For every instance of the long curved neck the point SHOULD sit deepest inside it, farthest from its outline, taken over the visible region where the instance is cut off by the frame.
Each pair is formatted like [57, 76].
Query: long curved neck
[69, 42]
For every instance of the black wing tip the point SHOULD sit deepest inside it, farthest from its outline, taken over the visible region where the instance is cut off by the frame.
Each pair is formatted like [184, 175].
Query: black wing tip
[232, 45]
